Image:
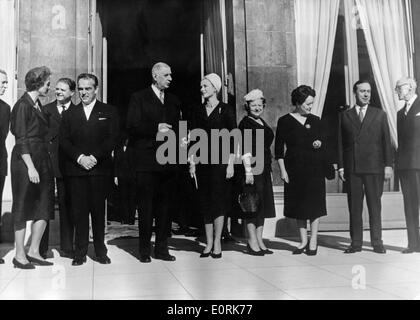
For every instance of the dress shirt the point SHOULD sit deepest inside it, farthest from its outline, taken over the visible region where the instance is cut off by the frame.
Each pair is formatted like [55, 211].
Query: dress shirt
[88, 110]
[159, 93]
[409, 103]
[59, 107]
[364, 108]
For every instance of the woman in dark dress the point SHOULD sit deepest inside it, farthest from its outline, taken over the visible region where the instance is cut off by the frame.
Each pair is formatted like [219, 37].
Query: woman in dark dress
[31, 169]
[213, 178]
[255, 104]
[299, 150]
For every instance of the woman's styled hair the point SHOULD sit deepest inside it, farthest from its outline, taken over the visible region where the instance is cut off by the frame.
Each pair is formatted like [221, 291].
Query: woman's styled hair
[36, 78]
[301, 93]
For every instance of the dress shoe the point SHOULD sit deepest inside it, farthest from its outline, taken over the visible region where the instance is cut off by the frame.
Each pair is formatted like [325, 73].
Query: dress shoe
[205, 254]
[103, 259]
[38, 262]
[310, 252]
[44, 255]
[267, 251]
[165, 257]
[216, 255]
[145, 258]
[1, 261]
[300, 250]
[25, 266]
[408, 250]
[78, 261]
[352, 249]
[253, 252]
[379, 249]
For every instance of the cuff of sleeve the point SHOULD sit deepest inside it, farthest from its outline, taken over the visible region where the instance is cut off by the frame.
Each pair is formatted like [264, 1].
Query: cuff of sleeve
[80, 157]
[341, 170]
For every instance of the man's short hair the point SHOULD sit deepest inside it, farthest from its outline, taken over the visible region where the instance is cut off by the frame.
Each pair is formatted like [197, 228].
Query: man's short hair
[3, 72]
[87, 76]
[158, 66]
[36, 77]
[69, 82]
[407, 80]
[360, 82]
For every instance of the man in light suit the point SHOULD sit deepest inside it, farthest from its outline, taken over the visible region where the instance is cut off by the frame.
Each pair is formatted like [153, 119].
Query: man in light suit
[64, 91]
[408, 158]
[4, 130]
[88, 135]
[150, 111]
[365, 159]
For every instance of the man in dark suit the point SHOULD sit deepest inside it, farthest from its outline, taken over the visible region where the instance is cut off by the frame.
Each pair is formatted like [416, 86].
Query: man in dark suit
[150, 111]
[88, 135]
[408, 158]
[4, 130]
[365, 159]
[64, 91]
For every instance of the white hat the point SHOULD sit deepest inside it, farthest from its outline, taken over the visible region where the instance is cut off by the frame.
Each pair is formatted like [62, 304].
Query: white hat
[254, 95]
[214, 80]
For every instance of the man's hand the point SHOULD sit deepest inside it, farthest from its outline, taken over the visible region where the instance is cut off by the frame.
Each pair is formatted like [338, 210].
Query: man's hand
[388, 173]
[229, 171]
[87, 162]
[164, 127]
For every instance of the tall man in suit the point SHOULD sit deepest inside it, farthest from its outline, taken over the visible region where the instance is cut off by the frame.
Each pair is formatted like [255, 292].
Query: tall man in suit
[4, 130]
[150, 111]
[64, 91]
[408, 158]
[365, 159]
[88, 135]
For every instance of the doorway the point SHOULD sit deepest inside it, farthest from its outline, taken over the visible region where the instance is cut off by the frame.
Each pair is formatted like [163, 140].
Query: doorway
[140, 33]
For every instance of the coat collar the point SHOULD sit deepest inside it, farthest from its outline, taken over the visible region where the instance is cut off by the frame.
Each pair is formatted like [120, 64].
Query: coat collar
[39, 113]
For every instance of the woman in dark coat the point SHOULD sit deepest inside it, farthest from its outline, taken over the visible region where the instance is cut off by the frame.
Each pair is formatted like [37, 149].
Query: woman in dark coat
[299, 149]
[31, 169]
[213, 179]
[255, 104]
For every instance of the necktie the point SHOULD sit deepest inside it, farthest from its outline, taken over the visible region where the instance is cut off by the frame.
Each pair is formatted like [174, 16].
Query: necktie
[161, 97]
[37, 107]
[361, 114]
[62, 108]
[406, 109]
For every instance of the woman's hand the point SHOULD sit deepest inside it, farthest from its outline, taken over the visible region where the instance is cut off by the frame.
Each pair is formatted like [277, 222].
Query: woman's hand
[249, 178]
[33, 175]
[317, 144]
[229, 171]
[284, 176]
[192, 170]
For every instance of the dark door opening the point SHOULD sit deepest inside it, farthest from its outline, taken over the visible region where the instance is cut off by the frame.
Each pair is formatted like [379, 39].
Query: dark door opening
[142, 32]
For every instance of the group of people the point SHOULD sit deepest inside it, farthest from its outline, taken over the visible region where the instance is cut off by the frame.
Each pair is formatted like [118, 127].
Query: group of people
[72, 148]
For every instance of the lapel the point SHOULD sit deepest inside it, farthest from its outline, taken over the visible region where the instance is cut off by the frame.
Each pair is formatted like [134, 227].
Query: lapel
[39, 113]
[354, 117]
[369, 116]
[54, 111]
[155, 97]
[94, 115]
[415, 108]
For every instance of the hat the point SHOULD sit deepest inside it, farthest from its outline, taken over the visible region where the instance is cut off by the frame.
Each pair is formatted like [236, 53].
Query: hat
[254, 95]
[214, 80]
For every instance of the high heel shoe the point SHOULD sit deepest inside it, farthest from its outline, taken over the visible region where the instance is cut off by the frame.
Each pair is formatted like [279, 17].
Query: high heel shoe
[310, 252]
[267, 251]
[205, 254]
[25, 266]
[216, 255]
[253, 252]
[301, 250]
[38, 261]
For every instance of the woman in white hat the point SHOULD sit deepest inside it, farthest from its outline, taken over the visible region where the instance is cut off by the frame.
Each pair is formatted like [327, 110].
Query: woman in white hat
[213, 177]
[255, 105]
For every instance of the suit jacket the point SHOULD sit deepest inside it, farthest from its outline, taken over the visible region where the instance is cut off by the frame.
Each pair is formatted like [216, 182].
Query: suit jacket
[96, 136]
[4, 130]
[408, 126]
[145, 112]
[54, 121]
[364, 148]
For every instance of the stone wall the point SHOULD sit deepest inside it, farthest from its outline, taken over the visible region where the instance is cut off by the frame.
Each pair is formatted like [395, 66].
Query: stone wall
[265, 55]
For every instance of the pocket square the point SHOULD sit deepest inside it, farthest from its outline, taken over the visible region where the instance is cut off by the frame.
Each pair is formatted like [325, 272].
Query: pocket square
[102, 119]
[418, 114]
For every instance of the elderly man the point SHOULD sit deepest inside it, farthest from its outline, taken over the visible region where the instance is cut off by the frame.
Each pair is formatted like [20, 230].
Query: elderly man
[365, 159]
[150, 111]
[408, 158]
[4, 130]
[88, 135]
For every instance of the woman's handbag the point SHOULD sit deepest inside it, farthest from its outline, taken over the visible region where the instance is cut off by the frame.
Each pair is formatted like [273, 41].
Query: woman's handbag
[249, 199]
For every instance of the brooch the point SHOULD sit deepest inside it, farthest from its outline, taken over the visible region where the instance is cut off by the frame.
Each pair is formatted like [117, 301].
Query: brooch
[307, 126]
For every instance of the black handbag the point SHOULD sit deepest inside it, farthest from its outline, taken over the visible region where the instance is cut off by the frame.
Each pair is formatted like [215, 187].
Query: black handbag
[249, 199]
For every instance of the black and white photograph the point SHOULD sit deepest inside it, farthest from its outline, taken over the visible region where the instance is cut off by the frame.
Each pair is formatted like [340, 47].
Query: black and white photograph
[209, 155]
